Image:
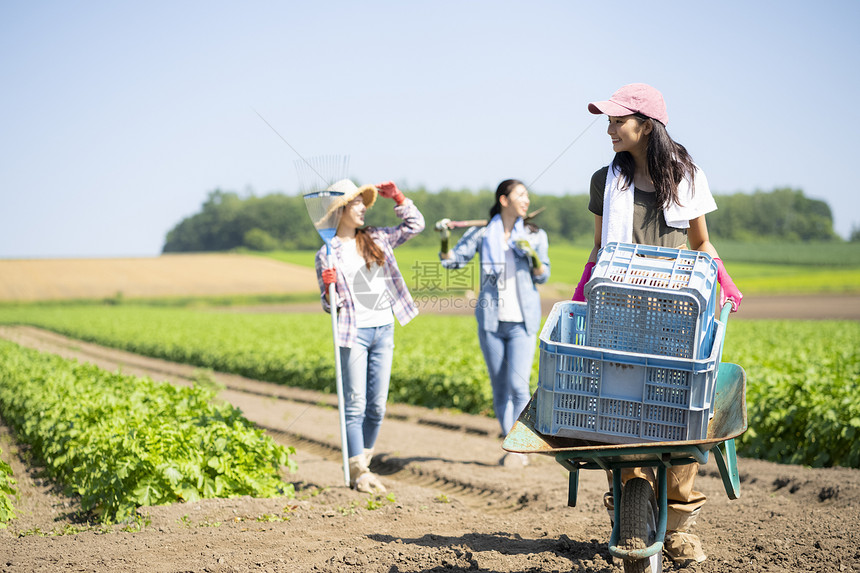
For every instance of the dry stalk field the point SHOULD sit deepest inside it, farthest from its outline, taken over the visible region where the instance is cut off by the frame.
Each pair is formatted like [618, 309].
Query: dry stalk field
[167, 275]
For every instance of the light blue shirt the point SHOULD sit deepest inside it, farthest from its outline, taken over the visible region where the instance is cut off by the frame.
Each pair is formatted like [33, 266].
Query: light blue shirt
[487, 309]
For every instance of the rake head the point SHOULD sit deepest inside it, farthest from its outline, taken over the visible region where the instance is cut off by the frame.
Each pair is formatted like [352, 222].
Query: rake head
[316, 175]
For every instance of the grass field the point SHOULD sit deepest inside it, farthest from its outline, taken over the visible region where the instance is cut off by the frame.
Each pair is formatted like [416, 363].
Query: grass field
[804, 268]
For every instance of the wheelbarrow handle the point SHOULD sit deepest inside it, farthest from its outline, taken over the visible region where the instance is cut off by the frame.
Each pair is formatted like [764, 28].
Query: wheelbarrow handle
[727, 462]
[725, 311]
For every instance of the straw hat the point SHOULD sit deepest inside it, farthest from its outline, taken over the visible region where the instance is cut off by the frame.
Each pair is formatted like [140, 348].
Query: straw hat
[350, 192]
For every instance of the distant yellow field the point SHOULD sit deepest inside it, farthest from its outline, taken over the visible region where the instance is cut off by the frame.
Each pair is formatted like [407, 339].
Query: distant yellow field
[166, 275]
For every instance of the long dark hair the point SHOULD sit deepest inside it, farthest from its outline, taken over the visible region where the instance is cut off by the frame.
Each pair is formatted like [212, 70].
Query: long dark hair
[368, 248]
[668, 163]
[504, 189]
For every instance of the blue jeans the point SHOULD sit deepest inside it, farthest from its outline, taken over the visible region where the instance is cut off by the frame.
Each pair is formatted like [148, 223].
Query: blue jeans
[366, 369]
[509, 353]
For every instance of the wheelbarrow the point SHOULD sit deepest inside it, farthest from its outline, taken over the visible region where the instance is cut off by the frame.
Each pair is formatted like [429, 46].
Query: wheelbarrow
[636, 514]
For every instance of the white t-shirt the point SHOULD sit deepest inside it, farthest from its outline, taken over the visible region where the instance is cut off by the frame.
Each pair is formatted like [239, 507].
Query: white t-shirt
[369, 288]
[509, 301]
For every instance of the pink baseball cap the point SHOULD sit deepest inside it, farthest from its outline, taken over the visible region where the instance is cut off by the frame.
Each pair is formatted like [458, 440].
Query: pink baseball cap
[633, 98]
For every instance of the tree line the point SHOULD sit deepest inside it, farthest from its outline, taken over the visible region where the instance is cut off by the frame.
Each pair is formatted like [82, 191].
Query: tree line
[279, 221]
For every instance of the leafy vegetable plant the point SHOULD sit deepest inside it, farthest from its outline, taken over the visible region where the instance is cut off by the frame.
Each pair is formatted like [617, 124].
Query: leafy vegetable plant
[120, 442]
[7, 492]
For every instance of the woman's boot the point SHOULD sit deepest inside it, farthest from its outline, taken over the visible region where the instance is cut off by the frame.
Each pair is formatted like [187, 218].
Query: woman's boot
[361, 478]
[683, 547]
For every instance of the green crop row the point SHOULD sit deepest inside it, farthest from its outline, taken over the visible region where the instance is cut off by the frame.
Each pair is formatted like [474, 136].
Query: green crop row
[801, 374]
[438, 361]
[7, 492]
[802, 382]
[120, 442]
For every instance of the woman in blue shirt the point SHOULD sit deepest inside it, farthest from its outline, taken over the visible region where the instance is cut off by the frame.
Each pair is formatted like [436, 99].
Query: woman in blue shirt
[514, 259]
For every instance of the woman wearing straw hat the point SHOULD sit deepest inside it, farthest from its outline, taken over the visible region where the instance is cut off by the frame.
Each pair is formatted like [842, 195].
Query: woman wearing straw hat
[370, 293]
[514, 259]
[666, 207]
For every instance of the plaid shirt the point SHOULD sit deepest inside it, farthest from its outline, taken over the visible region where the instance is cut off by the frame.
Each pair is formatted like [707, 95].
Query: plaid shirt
[387, 238]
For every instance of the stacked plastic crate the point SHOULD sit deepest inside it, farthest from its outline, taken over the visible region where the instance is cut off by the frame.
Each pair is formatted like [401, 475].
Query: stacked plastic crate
[638, 361]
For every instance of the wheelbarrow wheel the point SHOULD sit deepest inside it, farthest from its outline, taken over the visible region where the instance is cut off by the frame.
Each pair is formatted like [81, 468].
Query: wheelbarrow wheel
[638, 527]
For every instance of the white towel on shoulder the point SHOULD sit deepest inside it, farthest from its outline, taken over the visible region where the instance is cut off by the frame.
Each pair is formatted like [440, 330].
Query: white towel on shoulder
[695, 201]
[618, 206]
[617, 210]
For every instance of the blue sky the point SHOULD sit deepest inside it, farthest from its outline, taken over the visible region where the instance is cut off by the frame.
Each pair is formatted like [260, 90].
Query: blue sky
[118, 118]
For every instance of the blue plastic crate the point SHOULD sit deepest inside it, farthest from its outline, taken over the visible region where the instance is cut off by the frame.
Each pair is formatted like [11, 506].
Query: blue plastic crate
[615, 396]
[653, 300]
[659, 268]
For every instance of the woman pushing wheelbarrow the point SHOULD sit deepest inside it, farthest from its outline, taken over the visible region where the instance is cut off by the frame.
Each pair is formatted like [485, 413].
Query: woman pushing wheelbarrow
[650, 195]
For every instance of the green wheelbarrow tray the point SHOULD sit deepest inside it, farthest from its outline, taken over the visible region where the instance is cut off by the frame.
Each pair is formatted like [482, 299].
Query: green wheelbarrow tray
[729, 422]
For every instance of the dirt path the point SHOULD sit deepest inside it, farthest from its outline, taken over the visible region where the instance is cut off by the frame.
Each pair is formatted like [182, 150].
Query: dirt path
[453, 507]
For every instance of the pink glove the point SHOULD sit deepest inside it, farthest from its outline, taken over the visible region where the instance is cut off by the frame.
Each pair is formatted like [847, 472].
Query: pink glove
[389, 190]
[728, 290]
[579, 293]
[329, 277]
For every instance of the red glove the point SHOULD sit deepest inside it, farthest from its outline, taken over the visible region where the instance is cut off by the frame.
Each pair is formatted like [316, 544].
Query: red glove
[389, 189]
[728, 290]
[579, 293]
[329, 277]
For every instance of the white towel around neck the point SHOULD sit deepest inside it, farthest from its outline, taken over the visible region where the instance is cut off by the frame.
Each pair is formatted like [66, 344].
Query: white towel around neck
[492, 247]
[618, 206]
